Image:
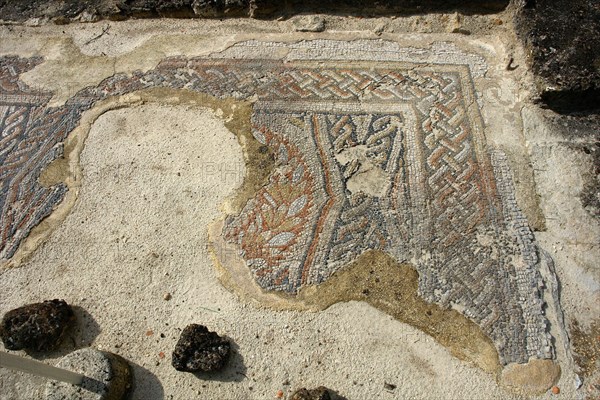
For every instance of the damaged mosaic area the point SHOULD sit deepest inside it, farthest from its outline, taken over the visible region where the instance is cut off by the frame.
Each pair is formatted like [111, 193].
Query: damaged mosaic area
[381, 150]
[31, 136]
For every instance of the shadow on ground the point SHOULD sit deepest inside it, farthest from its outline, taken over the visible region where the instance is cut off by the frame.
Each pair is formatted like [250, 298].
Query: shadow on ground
[146, 385]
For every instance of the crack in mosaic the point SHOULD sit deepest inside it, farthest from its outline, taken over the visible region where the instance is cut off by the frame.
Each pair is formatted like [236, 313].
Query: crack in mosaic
[379, 155]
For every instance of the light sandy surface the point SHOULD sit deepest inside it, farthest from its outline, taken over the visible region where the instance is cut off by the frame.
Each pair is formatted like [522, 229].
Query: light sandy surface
[153, 177]
[138, 231]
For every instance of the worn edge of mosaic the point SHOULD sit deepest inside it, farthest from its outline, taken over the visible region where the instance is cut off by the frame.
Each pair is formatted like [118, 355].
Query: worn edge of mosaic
[24, 113]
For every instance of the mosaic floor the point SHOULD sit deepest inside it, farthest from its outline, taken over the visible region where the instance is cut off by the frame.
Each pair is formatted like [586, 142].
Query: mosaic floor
[379, 150]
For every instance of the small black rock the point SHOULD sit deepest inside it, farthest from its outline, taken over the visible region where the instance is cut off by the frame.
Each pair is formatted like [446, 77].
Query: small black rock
[199, 349]
[36, 327]
[320, 393]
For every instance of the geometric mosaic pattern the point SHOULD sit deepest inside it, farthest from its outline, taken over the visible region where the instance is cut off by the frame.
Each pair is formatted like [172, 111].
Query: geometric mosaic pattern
[31, 137]
[386, 155]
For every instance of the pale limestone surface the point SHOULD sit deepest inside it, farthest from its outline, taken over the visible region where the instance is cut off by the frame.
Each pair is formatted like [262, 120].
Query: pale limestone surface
[117, 263]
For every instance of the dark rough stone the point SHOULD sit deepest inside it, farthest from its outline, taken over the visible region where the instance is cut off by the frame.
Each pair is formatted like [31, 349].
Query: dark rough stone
[563, 40]
[184, 8]
[20, 10]
[199, 349]
[36, 327]
[63, 11]
[270, 8]
[320, 393]
[217, 8]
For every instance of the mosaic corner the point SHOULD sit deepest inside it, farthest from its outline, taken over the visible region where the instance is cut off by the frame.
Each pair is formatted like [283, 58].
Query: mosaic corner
[377, 153]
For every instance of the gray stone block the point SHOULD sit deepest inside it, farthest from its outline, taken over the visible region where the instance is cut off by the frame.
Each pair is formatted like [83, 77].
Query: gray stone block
[108, 377]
